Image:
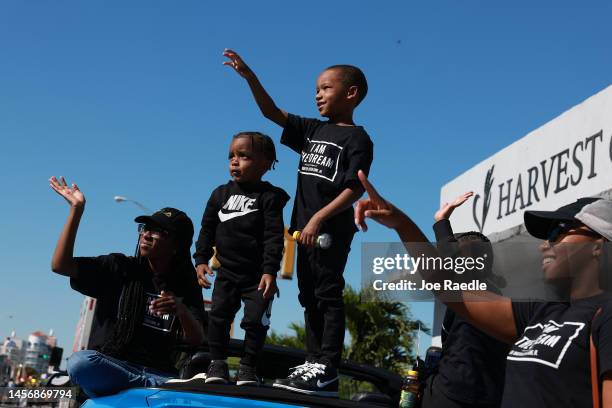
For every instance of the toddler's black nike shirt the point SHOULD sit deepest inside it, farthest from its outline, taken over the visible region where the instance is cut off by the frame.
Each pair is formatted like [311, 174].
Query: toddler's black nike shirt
[244, 221]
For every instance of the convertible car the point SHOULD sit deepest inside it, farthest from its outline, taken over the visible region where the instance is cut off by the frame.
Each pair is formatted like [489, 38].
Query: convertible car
[360, 386]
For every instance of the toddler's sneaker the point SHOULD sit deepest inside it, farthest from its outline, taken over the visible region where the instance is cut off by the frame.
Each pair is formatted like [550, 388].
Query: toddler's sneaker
[247, 375]
[217, 373]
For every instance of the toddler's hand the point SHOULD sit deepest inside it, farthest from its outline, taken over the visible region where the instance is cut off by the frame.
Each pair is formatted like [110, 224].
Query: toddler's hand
[202, 270]
[268, 284]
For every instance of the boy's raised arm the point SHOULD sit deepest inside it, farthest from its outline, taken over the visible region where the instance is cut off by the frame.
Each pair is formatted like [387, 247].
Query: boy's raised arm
[264, 101]
[493, 313]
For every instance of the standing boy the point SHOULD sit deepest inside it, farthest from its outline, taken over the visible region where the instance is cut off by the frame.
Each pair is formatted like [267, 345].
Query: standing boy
[331, 154]
[244, 220]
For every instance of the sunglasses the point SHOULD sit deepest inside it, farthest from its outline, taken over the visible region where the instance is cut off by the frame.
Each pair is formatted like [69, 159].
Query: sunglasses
[154, 232]
[563, 227]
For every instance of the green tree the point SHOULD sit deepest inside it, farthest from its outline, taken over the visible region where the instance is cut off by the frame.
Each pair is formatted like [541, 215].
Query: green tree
[382, 332]
[297, 340]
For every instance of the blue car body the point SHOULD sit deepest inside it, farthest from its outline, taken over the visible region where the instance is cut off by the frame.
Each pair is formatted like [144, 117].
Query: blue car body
[154, 397]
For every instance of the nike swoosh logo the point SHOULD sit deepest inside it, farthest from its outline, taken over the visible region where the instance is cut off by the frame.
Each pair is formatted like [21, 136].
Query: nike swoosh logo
[325, 383]
[225, 217]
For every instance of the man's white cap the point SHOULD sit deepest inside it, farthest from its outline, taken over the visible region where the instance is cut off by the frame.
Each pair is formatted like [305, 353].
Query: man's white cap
[598, 217]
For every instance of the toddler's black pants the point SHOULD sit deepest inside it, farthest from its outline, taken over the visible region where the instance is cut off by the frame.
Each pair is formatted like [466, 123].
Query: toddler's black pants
[226, 298]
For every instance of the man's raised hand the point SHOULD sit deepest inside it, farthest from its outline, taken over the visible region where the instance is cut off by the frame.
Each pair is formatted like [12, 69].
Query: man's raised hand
[375, 207]
[236, 62]
[447, 209]
[72, 194]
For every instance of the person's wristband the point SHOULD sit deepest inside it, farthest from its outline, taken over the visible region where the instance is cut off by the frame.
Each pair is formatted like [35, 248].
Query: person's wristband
[443, 230]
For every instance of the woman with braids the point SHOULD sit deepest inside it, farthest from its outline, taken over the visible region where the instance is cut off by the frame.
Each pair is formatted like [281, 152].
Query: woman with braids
[243, 219]
[146, 305]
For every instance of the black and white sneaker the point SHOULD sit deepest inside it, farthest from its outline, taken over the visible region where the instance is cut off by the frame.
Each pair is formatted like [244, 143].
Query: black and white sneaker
[199, 376]
[217, 373]
[294, 372]
[247, 375]
[319, 379]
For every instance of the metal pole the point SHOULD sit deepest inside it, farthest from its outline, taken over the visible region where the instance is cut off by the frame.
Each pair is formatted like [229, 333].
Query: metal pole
[121, 199]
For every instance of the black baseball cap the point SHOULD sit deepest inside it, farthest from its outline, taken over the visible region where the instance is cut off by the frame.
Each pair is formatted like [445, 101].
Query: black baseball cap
[539, 223]
[172, 220]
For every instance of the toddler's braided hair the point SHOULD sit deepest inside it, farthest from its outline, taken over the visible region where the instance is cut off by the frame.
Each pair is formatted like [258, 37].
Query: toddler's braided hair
[261, 143]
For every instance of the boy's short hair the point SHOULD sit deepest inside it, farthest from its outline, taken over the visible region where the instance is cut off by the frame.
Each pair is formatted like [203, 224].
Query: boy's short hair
[353, 76]
[482, 247]
[261, 143]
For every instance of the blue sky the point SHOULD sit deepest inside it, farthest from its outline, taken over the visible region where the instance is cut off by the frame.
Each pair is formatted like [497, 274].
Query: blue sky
[131, 98]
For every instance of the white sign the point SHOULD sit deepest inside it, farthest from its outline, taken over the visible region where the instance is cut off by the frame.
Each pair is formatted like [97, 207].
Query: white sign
[567, 158]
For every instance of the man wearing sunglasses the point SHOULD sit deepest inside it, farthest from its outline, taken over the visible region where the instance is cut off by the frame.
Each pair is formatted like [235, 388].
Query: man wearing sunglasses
[147, 305]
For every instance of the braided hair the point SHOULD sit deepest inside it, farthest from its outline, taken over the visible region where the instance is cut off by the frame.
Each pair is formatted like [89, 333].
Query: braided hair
[129, 316]
[261, 143]
[130, 311]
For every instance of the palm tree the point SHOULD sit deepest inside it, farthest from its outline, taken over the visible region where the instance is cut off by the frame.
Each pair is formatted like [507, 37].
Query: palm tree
[297, 340]
[382, 332]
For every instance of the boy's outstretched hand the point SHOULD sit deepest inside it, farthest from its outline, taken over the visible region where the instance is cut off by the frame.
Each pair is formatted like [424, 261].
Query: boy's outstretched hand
[268, 285]
[72, 195]
[201, 271]
[265, 103]
[237, 63]
[375, 207]
[447, 209]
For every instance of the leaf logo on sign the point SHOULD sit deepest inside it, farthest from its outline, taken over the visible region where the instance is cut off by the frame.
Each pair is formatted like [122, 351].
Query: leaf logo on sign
[486, 202]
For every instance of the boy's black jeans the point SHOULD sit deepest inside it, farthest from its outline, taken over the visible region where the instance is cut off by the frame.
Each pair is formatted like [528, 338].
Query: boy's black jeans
[321, 284]
[226, 299]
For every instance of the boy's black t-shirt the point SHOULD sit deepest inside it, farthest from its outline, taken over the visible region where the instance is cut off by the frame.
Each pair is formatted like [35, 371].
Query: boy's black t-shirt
[245, 223]
[155, 339]
[548, 366]
[331, 155]
[472, 366]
